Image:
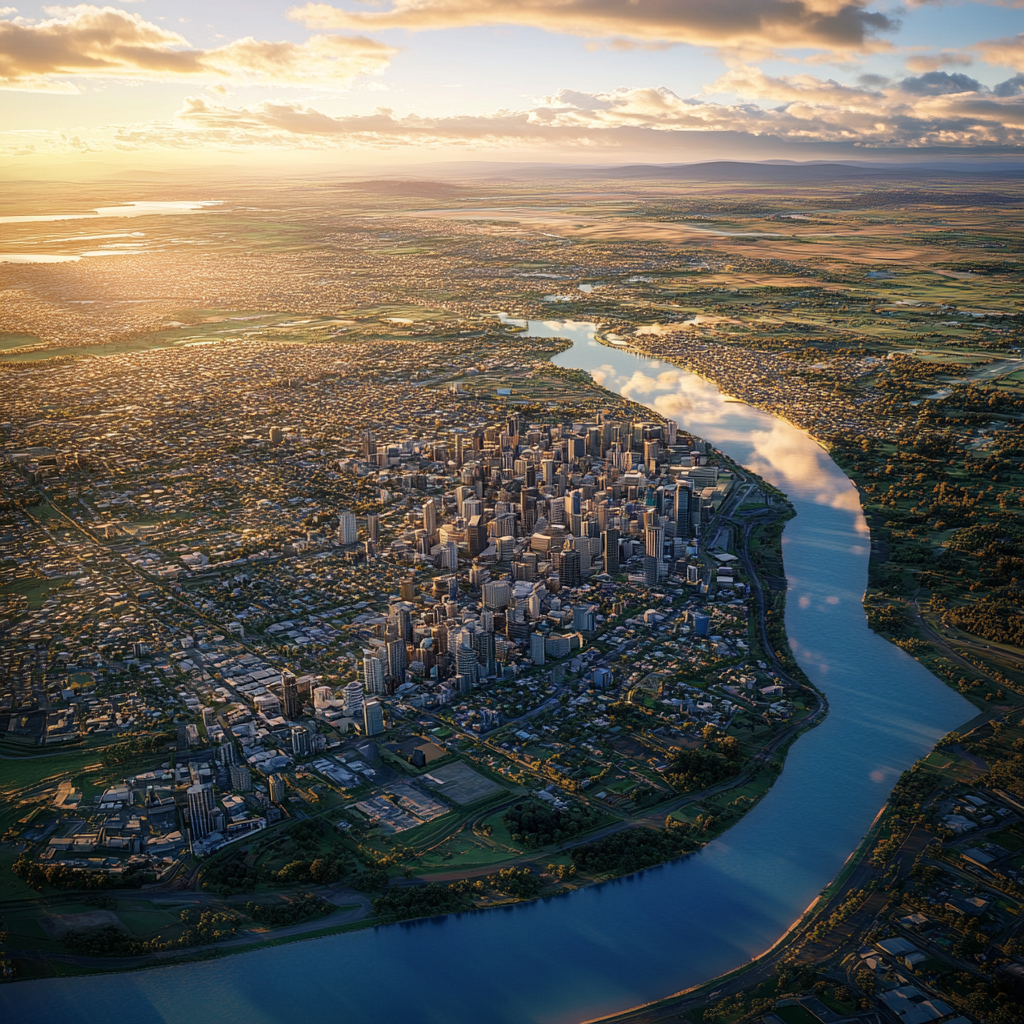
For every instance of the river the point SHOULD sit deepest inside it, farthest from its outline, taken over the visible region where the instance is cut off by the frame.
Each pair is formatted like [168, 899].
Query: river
[608, 947]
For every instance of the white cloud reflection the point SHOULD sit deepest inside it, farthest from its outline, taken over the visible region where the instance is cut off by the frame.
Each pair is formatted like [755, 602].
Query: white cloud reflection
[774, 449]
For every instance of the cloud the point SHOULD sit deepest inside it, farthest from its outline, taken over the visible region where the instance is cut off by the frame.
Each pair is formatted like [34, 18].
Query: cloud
[620, 123]
[935, 61]
[1011, 87]
[939, 83]
[87, 42]
[1006, 52]
[746, 25]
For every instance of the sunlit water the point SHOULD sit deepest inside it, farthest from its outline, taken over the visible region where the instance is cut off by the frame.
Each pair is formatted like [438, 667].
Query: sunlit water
[608, 947]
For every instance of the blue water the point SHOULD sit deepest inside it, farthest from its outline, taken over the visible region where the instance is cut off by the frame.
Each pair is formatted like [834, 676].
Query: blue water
[608, 947]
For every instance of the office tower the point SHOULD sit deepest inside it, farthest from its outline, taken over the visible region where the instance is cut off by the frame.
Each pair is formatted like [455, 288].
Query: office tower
[654, 541]
[369, 446]
[226, 754]
[373, 718]
[276, 435]
[556, 511]
[352, 695]
[672, 430]
[373, 528]
[651, 565]
[693, 573]
[322, 697]
[277, 788]
[602, 678]
[610, 540]
[373, 675]
[570, 573]
[701, 624]
[407, 589]
[209, 718]
[466, 664]
[681, 510]
[291, 695]
[397, 660]
[476, 535]
[403, 620]
[301, 746]
[348, 532]
[200, 804]
[485, 649]
[460, 439]
[583, 618]
[241, 778]
[496, 594]
[537, 648]
[430, 517]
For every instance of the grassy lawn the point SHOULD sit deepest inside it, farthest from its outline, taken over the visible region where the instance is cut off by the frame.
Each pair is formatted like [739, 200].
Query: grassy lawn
[35, 589]
[17, 773]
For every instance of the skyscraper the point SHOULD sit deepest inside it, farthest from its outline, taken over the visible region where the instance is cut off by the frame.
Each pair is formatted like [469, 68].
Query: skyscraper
[373, 675]
[373, 718]
[396, 660]
[369, 441]
[290, 705]
[277, 788]
[301, 746]
[682, 511]
[610, 540]
[430, 517]
[200, 804]
[348, 532]
[353, 698]
[570, 573]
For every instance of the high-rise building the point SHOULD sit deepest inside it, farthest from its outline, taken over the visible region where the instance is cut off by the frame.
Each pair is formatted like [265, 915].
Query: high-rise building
[277, 788]
[476, 535]
[369, 441]
[537, 648]
[241, 778]
[651, 565]
[200, 805]
[322, 697]
[373, 718]
[353, 698]
[484, 645]
[397, 660]
[226, 753]
[348, 532]
[430, 517]
[654, 542]
[301, 746]
[290, 705]
[373, 528]
[682, 510]
[570, 573]
[583, 618]
[610, 540]
[373, 675]
[496, 594]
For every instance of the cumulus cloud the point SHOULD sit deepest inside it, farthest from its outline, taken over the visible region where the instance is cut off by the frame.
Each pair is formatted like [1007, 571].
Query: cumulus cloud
[748, 25]
[1007, 52]
[936, 61]
[105, 42]
[617, 122]
[939, 83]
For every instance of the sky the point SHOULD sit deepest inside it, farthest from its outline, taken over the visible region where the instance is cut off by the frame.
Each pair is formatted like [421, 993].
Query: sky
[167, 83]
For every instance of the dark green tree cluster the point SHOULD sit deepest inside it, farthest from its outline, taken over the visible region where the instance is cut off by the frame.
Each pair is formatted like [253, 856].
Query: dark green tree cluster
[535, 824]
[277, 915]
[430, 900]
[521, 882]
[692, 770]
[58, 876]
[633, 849]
